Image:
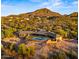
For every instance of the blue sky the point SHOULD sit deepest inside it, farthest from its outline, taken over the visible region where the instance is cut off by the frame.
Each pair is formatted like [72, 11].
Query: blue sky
[9, 7]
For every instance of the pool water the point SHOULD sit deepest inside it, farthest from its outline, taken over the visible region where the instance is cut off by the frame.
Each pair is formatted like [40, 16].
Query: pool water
[40, 38]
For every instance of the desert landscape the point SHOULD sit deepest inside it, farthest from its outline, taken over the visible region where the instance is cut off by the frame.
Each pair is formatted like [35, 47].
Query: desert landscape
[41, 34]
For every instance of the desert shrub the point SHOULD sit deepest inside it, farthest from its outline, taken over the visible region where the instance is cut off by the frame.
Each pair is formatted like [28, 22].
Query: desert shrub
[73, 34]
[72, 54]
[57, 55]
[31, 50]
[22, 49]
[2, 34]
[25, 51]
[62, 33]
[11, 46]
[9, 32]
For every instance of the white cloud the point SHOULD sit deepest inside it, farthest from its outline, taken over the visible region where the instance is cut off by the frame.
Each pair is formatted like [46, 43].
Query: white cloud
[52, 4]
[75, 3]
[58, 4]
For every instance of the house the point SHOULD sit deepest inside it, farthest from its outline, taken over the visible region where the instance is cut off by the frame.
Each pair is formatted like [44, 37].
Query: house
[59, 37]
[38, 35]
[46, 34]
[50, 41]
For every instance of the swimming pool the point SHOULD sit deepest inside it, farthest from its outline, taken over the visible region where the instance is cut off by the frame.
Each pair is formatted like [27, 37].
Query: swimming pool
[40, 38]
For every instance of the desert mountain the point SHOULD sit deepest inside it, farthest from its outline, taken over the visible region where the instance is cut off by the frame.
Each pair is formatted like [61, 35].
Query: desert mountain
[44, 12]
[74, 14]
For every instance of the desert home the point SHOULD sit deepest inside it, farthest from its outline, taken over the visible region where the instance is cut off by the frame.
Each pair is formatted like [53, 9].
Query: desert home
[42, 35]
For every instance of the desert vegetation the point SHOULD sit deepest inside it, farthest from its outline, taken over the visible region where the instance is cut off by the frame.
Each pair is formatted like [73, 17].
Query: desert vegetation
[17, 44]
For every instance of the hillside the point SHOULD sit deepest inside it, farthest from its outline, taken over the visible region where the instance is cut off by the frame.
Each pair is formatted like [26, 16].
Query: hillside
[65, 49]
[40, 12]
[17, 33]
[74, 14]
[42, 19]
[45, 12]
